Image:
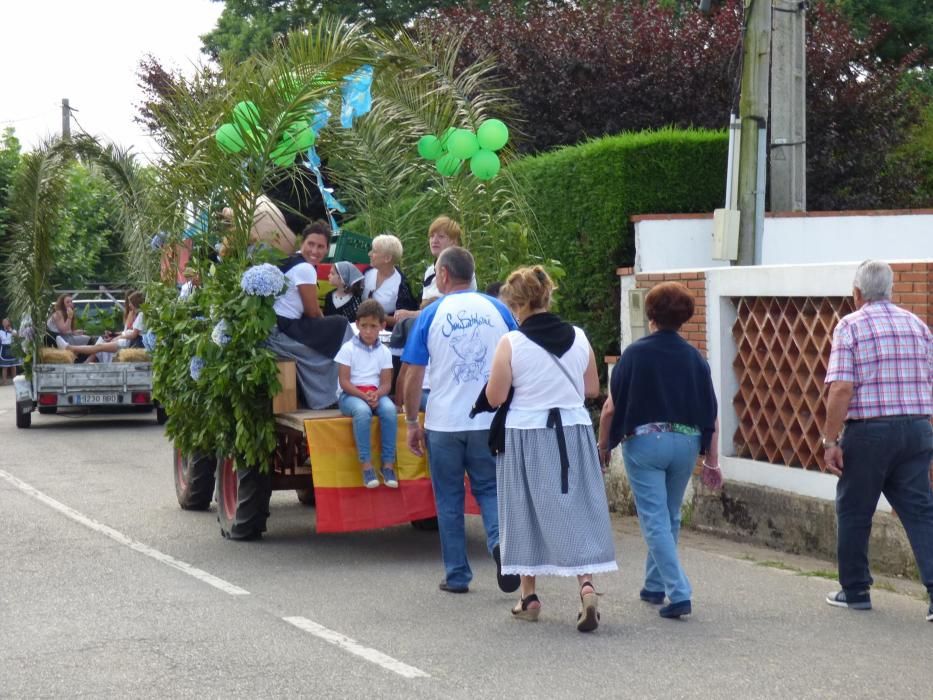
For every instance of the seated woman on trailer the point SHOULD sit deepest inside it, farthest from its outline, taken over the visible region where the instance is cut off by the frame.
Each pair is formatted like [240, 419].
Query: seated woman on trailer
[302, 332]
[131, 336]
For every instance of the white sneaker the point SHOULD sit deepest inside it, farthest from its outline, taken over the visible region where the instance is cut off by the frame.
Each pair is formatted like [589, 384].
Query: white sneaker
[61, 342]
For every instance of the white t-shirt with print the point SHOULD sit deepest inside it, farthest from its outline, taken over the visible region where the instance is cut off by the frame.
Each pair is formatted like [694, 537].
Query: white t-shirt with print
[458, 333]
[289, 304]
[387, 293]
[365, 362]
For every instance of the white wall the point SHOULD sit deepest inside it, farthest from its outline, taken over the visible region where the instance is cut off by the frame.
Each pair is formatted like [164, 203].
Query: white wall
[686, 243]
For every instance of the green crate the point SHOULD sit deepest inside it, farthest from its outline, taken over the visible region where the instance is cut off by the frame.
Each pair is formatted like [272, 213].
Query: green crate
[353, 247]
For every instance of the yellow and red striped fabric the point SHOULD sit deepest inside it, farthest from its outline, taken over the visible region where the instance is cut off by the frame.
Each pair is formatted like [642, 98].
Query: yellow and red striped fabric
[343, 503]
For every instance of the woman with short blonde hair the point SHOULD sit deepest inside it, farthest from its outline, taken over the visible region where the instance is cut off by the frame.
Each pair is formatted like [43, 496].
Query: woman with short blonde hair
[384, 282]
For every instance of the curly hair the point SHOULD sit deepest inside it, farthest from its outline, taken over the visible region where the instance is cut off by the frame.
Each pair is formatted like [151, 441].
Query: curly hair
[529, 287]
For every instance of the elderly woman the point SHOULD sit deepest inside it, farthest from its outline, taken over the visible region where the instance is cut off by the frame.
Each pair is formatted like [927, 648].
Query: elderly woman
[384, 282]
[662, 408]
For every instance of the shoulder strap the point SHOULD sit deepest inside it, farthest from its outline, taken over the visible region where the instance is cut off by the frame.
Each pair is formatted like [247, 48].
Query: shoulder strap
[563, 369]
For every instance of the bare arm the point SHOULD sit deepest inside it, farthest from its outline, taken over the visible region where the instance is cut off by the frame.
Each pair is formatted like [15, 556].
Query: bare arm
[385, 383]
[414, 378]
[605, 420]
[837, 406]
[591, 378]
[343, 378]
[309, 301]
[500, 377]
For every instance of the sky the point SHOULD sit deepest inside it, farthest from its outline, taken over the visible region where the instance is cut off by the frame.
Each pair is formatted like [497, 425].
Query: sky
[88, 51]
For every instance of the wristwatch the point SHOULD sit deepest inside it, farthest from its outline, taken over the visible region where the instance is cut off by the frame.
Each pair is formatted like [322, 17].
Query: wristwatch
[827, 443]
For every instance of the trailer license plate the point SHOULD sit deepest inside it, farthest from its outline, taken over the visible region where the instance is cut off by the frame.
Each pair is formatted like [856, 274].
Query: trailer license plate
[95, 398]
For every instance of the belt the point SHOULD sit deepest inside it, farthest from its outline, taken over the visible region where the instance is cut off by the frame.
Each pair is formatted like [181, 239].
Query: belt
[554, 421]
[889, 419]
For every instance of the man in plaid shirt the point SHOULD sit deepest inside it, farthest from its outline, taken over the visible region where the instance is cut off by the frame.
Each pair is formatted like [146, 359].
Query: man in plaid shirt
[880, 379]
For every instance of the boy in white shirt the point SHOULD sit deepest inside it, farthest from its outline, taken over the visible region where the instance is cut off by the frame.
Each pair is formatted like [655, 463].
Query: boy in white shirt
[364, 369]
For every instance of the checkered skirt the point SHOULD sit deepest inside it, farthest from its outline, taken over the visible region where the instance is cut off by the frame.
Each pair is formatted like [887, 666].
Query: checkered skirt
[541, 530]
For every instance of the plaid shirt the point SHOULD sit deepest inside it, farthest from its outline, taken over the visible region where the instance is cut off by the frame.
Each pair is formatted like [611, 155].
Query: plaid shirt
[887, 353]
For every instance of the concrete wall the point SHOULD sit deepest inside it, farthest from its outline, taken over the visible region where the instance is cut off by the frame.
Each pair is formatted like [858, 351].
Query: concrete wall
[666, 243]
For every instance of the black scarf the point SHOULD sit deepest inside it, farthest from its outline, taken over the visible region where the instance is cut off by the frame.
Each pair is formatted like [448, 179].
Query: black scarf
[291, 261]
[548, 331]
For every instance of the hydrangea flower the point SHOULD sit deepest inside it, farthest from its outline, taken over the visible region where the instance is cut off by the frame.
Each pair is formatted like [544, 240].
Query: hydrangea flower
[262, 280]
[219, 335]
[194, 369]
[149, 341]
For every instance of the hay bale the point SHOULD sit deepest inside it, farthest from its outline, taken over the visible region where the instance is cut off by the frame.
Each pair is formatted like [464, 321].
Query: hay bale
[56, 356]
[132, 355]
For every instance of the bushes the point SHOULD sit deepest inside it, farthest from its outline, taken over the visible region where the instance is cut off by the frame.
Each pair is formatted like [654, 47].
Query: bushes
[583, 196]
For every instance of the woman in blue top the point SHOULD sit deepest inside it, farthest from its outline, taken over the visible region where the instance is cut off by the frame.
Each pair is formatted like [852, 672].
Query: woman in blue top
[662, 408]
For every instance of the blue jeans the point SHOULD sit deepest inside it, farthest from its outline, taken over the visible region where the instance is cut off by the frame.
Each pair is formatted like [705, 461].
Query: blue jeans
[450, 456]
[659, 466]
[890, 457]
[362, 416]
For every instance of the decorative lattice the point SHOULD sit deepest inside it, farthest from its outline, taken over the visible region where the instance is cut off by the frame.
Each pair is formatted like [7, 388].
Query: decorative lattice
[782, 350]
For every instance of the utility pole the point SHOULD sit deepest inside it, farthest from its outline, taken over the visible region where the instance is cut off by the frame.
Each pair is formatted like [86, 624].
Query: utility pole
[753, 112]
[788, 176]
[66, 120]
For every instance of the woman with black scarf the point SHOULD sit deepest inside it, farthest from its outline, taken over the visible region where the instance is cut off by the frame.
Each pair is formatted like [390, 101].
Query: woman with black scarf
[553, 515]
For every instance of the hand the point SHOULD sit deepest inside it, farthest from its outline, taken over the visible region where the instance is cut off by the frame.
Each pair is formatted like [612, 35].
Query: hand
[711, 476]
[832, 460]
[402, 314]
[416, 439]
[605, 456]
[372, 399]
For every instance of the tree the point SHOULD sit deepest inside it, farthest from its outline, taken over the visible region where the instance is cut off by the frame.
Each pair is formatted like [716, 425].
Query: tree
[9, 162]
[246, 27]
[580, 71]
[906, 25]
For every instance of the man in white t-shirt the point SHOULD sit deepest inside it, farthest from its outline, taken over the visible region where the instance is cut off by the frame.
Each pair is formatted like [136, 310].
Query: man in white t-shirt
[458, 333]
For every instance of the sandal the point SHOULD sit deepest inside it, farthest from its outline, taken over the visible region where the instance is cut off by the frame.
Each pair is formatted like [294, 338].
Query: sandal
[588, 617]
[523, 611]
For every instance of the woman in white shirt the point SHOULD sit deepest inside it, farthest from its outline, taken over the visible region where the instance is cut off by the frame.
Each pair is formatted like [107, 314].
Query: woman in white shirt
[384, 282]
[298, 313]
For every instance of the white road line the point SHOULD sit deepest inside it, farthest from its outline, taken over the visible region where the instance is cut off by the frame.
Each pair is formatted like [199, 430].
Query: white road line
[116, 536]
[372, 655]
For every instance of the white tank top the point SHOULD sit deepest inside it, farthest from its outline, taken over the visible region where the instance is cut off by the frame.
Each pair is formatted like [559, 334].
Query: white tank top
[541, 386]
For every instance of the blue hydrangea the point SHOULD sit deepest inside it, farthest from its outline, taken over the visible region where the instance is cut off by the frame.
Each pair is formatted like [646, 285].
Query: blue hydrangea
[219, 335]
[149, 341]
[194, 369]
[263, 280]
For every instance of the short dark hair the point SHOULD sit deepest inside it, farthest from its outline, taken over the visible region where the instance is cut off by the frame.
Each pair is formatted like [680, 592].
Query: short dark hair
[458, 262]
[319, 227]
[492, 289]
[669, 305]
[371, 309]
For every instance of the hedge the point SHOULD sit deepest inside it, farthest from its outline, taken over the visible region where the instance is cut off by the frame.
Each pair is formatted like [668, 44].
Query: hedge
[582, 197]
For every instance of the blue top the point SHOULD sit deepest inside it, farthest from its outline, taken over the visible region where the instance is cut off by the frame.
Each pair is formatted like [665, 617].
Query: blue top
[661, 378]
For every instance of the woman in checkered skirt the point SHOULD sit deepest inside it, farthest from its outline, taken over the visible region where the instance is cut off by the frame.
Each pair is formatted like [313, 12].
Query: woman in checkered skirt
[553, 515]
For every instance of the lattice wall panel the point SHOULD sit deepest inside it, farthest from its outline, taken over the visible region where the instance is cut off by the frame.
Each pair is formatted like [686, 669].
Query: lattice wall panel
[782, 352]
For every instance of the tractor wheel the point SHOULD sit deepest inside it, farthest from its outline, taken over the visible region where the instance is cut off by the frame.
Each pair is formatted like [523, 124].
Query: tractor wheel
[23, 418]
[242, 500]
[194, 480]
[305, 496]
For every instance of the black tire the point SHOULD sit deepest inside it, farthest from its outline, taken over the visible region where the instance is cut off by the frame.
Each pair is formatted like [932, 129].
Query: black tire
[242, 500]
[194, 480]
[425, 524]
[23, 418]
[305, 496]
[48, 410]
[161, 417]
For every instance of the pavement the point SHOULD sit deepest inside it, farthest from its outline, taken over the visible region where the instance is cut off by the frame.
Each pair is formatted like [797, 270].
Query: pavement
[108, 589]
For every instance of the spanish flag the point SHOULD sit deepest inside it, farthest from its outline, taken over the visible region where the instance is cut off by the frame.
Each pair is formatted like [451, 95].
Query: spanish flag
[343, 503]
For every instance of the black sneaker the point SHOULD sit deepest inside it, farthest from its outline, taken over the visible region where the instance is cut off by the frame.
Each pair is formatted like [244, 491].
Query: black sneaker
[653, 597]
[452, 589]
[853, 601]
[508, 583]
[930, 613]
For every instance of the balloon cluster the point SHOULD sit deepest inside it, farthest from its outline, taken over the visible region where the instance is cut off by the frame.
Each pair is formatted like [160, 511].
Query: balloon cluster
[458, 145]
[245, 132]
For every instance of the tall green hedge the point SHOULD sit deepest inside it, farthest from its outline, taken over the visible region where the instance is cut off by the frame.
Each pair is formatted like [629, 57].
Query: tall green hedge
[582, 197]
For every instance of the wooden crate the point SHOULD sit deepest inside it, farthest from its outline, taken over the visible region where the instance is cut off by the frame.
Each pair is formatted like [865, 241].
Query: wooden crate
[287, 398]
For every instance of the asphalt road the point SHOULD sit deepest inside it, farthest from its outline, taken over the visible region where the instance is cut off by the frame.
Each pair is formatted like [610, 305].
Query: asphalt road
[108, 589]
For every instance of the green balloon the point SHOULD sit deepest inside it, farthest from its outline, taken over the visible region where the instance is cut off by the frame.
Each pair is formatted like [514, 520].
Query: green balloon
[445, 137]
[485, 165]
[429, 147]
[462, 143]
[246, 116]
[448, 164]
[284, 154]
[229, 139]
[300, 139]
[492, 134]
